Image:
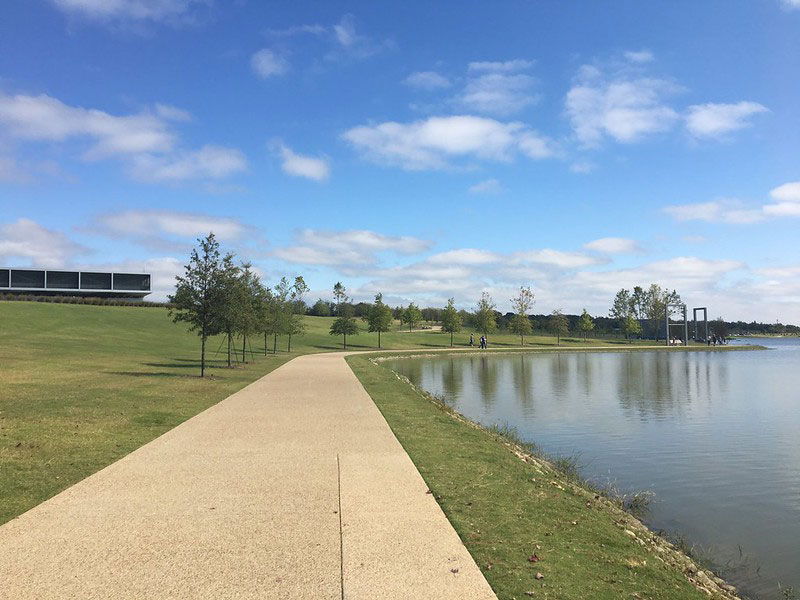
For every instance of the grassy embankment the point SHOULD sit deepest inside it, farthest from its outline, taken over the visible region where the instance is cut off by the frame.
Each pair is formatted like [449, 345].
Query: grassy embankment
[84, 385]
[508, 506]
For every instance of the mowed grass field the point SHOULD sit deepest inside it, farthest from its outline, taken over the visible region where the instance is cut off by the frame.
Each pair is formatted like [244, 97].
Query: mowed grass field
[81, 386]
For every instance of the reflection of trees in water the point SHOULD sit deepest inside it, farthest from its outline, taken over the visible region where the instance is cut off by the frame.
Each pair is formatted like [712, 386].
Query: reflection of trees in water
[413, 369]
[665, 383]
[522, 374]
[559, 370]
[486, 372]
[452, 378]
[584, 371]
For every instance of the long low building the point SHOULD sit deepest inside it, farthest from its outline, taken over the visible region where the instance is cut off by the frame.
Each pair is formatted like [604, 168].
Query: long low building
[48, 282]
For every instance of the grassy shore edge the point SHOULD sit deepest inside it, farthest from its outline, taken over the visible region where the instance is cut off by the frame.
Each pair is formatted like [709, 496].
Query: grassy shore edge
[519, 516]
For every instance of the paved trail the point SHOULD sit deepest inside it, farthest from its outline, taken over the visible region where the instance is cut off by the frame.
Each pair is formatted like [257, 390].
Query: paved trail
[294, 487]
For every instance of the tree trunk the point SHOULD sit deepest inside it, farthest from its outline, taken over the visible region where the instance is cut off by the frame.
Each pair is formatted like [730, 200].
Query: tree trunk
[265, 342]
[203, 352]
[345, 340]
[229, 349]
[244, 356]
[451, 339]
[289, 346]
[275, 344]
[379, 339]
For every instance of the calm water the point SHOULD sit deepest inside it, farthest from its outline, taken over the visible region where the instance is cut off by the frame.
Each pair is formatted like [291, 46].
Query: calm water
[715, 435]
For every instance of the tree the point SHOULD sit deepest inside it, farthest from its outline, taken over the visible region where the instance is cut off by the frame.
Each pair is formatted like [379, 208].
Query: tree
[321, 308]
[345, 324]
[231, 301]
[411, 316]
[655, 305]
[485, 319]
[522, 304]
[630, 326]
[451, 320]
[719, 328]
[339, 295]
[585, 324]
[197, 293]
[295, 325]
[276, 322]
[247, 317]
[622, 307]
[379, 317]
[558, 324]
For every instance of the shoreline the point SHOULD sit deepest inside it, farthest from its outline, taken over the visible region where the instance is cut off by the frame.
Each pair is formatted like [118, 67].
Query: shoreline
[614, 519]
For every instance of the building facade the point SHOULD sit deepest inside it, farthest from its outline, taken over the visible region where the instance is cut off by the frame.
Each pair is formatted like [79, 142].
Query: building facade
[56, 282]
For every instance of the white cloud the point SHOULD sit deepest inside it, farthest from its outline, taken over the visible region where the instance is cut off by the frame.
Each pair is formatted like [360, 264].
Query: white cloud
[465, 256]
[783, 209]
[144, 141]
[44, 118]
[266, 63]
[501, 67]
[624, 106]
[433, 142]
[788, 201]
[172, 113]
[613, 245]
[300, 165]
[427, 80]
[354, 247]
[498, 93]
[136, 10]
[536, 146]
[790, 4]
[731, 211]
[788, 192]
[345, 31]
[714, 120]
[641, 56]
[488, 186]
[26, 243]
[582, 167]
[557, 258]
[209, 162]
[313, 29]
[146, 224]
[718, 211]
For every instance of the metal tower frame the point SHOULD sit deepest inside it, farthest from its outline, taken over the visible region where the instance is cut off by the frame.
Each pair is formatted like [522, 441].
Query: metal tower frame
[705, 322]
[685, 322]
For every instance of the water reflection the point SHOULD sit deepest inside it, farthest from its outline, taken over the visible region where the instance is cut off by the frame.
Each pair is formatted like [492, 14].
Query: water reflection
[714, 435]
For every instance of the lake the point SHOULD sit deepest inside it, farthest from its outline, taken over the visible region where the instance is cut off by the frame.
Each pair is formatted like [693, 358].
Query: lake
[715, 436]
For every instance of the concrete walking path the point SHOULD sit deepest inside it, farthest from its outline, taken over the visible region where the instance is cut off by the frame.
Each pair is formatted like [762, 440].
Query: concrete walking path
[294, 487]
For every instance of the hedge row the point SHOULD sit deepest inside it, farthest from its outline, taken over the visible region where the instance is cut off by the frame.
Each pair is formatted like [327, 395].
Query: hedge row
[81, 300]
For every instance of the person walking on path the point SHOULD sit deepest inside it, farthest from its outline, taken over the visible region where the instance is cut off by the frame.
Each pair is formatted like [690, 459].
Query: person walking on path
[471, 340]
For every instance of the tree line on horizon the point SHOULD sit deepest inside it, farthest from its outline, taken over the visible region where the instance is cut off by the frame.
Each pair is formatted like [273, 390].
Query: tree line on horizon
[217, 296]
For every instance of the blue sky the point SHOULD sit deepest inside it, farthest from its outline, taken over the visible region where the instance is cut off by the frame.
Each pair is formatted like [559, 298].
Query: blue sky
[423, 150]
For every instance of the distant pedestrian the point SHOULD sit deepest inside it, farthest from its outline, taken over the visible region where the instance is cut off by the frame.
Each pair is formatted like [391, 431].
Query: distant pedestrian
[483, 342]
[471, 340]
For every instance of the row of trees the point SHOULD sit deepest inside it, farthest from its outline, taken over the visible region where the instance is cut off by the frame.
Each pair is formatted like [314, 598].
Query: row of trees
[380, 317]
[633, 307]
[215, 296]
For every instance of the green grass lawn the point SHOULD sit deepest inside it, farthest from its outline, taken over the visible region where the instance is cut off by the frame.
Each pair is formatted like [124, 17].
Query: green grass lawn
[506, 510]
[84, 385]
